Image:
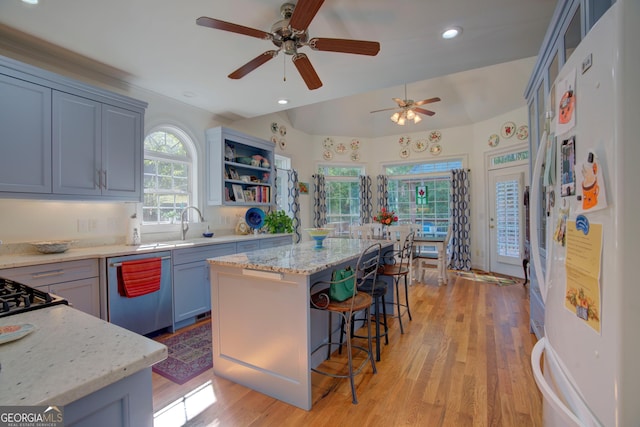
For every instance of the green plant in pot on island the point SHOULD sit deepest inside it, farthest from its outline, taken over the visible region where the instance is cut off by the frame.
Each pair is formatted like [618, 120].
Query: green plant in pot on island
[278, 222]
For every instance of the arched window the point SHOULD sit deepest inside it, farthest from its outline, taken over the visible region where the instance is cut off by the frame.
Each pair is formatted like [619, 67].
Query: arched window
[169, 175]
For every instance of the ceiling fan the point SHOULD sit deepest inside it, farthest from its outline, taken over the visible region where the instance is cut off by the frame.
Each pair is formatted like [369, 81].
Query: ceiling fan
[289, 34]
[409, 109]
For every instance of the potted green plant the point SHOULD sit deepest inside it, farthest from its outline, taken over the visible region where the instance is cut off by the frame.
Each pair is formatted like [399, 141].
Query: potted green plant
[278, 222]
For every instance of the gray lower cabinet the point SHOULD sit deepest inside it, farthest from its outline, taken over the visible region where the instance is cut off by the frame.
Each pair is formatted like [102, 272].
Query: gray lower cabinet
[75, 281]
[248, 245]
[272, 242]
[126, 403]
[25, 139]
[191, 288]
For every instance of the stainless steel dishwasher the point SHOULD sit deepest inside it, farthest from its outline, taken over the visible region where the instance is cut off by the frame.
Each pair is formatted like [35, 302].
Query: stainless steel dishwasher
[143, 314]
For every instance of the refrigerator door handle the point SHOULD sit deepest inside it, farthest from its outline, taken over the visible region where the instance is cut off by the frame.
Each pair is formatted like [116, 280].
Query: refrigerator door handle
[584, 417]
[534, 215]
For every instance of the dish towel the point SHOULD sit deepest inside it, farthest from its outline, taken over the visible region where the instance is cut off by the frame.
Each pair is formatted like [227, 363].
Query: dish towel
[139, 277]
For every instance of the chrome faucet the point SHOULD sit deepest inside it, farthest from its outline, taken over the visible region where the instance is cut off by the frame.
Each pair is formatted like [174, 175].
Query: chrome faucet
[184, 226]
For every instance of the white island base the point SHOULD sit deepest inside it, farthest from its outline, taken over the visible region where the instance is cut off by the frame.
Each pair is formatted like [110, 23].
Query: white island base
[263, 327]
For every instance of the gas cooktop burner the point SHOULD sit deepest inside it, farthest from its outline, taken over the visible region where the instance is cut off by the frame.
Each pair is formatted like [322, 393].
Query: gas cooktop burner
[17, 298]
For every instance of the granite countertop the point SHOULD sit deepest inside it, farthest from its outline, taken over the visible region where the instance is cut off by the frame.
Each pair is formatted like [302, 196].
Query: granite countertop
[302, 258]
[69, 355]
[36, 258]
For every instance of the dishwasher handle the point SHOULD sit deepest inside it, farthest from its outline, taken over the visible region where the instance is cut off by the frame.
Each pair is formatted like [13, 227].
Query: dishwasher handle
[119, 264]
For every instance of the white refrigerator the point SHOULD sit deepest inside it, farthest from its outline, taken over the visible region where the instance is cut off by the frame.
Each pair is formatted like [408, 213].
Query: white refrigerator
[587, 365]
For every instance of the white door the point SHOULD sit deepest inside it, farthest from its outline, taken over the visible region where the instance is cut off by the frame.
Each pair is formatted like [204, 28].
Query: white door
[506, 220]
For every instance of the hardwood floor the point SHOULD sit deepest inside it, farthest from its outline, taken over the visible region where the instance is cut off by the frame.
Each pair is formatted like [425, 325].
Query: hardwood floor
[464, 360]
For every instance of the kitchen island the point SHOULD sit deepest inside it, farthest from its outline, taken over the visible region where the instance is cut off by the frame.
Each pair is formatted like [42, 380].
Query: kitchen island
[100, 373]
[263, 328]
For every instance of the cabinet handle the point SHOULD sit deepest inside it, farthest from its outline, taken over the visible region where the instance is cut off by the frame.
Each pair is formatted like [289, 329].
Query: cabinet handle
[99, 172]
[104, 172]
[48, 274]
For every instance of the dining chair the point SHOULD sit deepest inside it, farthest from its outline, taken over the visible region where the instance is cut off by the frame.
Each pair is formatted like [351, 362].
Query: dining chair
[366, 269]
[376, 230]
[425, 258]
[359, 232]
[397, 266]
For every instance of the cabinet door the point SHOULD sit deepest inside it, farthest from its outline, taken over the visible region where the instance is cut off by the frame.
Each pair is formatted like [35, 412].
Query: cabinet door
[25, 136]
[191, 290]
[249, 245]
[76, 145]
[272, 242]
[82, 294]
[121, 153]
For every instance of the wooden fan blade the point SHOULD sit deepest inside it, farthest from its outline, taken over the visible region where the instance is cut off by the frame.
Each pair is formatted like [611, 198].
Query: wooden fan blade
[234, 28]
[253, 64]
[427, 101]
[307, 71]
[384, 109]
[423, 111]
[304, 13]
[400, 102]
[359, 47]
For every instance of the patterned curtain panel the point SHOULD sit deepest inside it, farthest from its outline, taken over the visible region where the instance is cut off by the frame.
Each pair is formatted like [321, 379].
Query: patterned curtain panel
[319, 201]
[293, 192]
[366, 204]
[460, 207]
[383, 191]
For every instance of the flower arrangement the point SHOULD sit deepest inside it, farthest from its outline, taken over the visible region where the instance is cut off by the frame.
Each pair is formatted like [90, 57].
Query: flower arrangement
[385, 217]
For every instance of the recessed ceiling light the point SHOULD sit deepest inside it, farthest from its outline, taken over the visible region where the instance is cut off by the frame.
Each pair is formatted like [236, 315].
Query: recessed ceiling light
[283, 101]
[30, 1]
[451, 33]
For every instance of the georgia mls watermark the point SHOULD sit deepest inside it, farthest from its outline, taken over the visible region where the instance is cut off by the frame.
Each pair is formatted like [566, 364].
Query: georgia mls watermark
[31, 416]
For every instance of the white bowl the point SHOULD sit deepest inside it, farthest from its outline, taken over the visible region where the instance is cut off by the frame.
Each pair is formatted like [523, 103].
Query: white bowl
[52, 246]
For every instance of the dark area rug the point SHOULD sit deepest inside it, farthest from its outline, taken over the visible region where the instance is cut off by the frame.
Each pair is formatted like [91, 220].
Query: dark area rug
[190, 354]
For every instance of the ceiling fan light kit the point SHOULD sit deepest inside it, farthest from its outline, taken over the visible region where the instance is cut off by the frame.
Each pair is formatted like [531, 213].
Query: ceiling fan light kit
[409, 109]
[290, 34]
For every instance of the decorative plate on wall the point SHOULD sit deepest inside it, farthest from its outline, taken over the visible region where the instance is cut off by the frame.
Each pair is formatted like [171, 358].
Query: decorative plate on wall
[494, 140]
[355, 144]
[274, 139]
[435, 149]
[404, 141]
[328, 155]
[355, 156]
[419, 145]
[522, 132]
[328, 143]
[508, 129]
[341, 148]
[282, 144]
[283, 130]
[404, 152]
[274, 127]
[435, 136]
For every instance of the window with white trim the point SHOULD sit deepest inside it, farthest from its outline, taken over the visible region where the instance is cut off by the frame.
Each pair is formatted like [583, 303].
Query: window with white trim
[419, 193]
[169, 175]
[342, 184]
[283, 166]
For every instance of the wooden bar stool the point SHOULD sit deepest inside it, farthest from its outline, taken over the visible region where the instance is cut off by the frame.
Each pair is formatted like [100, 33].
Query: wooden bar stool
[366, 269]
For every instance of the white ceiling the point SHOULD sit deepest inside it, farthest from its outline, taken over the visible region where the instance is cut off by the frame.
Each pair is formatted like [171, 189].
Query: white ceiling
[156, 45]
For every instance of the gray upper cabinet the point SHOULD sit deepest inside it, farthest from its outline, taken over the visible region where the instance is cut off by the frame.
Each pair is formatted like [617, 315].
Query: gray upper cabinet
[25, 136]
[76, 145]
[121, 152]
[63, 139]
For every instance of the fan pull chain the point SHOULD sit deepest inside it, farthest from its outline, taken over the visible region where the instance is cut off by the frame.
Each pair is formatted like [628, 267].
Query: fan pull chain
[284, 68]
